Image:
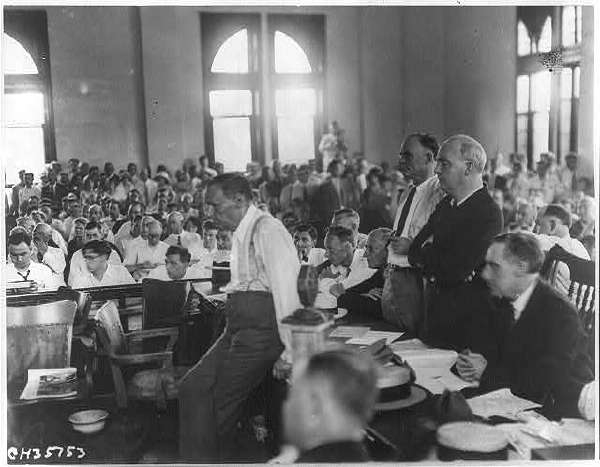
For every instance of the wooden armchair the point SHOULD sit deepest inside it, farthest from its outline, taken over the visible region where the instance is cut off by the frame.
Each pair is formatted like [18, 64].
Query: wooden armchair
[123, 352]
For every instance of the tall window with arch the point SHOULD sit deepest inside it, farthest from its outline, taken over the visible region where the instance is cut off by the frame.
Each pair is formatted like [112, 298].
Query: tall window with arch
[241, 54]
[28, 138]
[547, 84]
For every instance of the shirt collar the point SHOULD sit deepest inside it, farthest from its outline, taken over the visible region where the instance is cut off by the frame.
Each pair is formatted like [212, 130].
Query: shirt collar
[242, 228]
[521, 301]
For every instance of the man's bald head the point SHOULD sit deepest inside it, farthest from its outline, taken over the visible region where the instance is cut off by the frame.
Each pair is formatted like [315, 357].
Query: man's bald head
[376, 248]
[42, 231]
[154, 229]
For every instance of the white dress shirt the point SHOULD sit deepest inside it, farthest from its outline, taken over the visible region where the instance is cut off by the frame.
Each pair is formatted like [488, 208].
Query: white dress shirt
[142, 252]
[315, 257]
[78, 266]
[189, 240]
[37, 272]
[276, 266]
[115, 274]
[53, 258]
[427, 196]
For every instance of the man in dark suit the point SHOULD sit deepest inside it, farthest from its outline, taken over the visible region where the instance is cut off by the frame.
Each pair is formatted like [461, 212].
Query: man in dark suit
[329, 405]
[328, 197]
[541, 342]
[365, 298]
[462, 227]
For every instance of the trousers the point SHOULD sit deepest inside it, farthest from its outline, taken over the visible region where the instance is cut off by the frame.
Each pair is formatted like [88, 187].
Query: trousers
[213, 393]
[402, 301]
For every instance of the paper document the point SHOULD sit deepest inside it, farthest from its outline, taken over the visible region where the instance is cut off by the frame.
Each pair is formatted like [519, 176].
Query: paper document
[410, 344]
[370, 337]
[437, 382]
[348, 332]
[50, 383]
[501, 402]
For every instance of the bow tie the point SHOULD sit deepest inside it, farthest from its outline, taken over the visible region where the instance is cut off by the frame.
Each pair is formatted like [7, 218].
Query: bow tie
[341, 270]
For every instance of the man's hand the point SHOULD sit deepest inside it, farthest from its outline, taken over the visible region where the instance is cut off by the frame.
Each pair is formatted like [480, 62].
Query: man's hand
[470, 366]
[587, 401]
[336, 290]
[374, 294]
[282, 369]
[400, 245]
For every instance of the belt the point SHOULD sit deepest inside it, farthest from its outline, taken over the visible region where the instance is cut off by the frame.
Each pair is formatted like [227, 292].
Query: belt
[395, 267]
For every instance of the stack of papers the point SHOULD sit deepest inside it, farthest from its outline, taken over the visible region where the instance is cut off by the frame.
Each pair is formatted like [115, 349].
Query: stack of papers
[370, 337]
[348, 332]
[502, 403]
[50, 383]
[432, 366]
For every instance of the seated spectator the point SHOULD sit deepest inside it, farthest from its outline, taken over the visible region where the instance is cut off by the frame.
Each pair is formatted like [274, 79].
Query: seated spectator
[43, 252]
[554, 230]
[330, 402]
[305, 238]
[192, 225]
[524, 217]
[176, 267]
[77, 266]
[209, 235]
[128, 239]
[345, 265]
[98, 270]
[135, 209]
[78, 240]
[350, 219]
[541, 341]
[178, 236]
[20, 267]
[224, 239]
[366, 296]
[57, 238]
[374, 203]
[586, 224]
[114, 219]
[149, 253]
[589, 242]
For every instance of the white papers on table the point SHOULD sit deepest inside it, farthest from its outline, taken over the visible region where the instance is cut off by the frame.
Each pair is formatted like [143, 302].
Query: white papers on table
[349, 332]
[501, 402]
[370, 337]
[50, 383]
[437, 382]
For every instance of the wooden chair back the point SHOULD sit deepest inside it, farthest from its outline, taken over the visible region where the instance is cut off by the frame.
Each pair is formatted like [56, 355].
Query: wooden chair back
[164, 303]
[83, 301]
[112, 335]
[38, 336]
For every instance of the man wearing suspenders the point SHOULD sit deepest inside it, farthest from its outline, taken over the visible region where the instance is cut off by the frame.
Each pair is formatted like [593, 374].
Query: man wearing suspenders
[262, 291]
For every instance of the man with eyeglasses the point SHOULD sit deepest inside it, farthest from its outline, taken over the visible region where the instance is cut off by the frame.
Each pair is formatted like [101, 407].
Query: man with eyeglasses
[402, 301]
[21, 268]
[462, 228]
[99, 272]
[149, 253]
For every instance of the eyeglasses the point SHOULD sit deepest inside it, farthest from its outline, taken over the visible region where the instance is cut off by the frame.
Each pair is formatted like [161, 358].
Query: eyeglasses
[90, 257]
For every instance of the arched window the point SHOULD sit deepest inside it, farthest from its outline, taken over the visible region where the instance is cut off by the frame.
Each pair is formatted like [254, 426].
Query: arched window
[545, 41]
[28, 141]
[252, 90]
[523, 39]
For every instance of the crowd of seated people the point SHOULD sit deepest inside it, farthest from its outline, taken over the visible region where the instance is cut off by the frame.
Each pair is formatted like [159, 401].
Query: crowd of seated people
[425, 244]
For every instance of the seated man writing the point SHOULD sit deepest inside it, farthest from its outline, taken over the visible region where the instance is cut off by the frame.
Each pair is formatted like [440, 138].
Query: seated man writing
[330, 402]
[99, 271]
[366, 296]
[345, 267]
[541, 341]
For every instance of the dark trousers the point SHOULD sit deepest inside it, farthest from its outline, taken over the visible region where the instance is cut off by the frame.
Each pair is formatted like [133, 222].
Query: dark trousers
[402, 301]
[213, 392]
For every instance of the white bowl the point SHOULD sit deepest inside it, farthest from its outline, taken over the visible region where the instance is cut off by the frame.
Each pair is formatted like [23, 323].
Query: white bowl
[88, 421]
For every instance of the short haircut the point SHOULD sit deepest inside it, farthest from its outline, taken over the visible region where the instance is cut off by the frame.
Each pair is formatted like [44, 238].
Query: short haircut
[428, 141]
[342, 233]
[332, 165]
[100, 247]
[307, 228]
[232, 184]
[194, 220]
[91, 225]
[176, 214]
[522, 247]
[19, 235]
[81, 220]
[382, 234]
[183, 253]
[352, 378]
[470, 150]
[347, 212]
[209, 224]
[136, 203]
[558, 211]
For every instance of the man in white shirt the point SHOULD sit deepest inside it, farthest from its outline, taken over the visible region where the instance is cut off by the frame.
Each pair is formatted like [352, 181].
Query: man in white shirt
[403, 296]
[345, 267]
[542, 354]
[177, 266]
[20, 267]
[148, 253]
[305, 239]
[135, 210]
[41, 252]
[28, 189]
[98, 271]
[180, 237]
[77, 266]
[262, 291]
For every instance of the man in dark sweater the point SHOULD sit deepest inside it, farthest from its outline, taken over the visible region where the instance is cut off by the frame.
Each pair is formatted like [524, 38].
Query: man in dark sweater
[461, 227]
[329, 404]
[365, 298]
[542, 346]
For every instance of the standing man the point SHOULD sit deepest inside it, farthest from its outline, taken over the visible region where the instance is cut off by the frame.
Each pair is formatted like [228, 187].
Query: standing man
[462, 227]
[403, 300]
[262, 291]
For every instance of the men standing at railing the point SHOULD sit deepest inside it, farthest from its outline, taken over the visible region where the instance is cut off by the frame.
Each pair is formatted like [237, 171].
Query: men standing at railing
[262, 291]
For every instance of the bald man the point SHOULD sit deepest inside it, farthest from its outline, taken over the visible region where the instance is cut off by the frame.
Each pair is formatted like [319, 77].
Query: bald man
[43, 252]
[365, 298]
[462, 227]
[149, 253]
[179, 237]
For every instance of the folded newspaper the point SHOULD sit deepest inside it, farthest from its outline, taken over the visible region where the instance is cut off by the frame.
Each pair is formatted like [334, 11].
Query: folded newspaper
[48, 383]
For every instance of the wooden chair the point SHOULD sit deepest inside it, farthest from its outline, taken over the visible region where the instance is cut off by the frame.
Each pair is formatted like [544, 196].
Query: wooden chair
[123, 353]
[38, 336]
[83, 300]
[581, 290]
[164, 303]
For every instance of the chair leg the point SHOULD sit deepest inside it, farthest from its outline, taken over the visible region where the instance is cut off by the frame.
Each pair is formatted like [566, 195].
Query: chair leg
[120, 389]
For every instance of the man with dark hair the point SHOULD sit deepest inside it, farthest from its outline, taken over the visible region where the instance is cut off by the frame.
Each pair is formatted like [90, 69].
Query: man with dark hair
[329, 405]
[176, 267]
[98, 271]
[135, 209]
[305, 239]
[542, 344]
[462, 227]
[262, 291]
[209, 235]
[403, 299]
[350, 219]
[45, 250]
[20, 267]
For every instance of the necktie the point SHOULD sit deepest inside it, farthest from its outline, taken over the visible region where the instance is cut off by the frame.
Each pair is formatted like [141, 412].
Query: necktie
[178, 240]
[404, 212]
[24, 276]
[40, 257]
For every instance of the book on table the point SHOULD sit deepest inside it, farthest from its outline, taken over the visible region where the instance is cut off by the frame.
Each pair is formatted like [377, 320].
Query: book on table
[47, 383]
